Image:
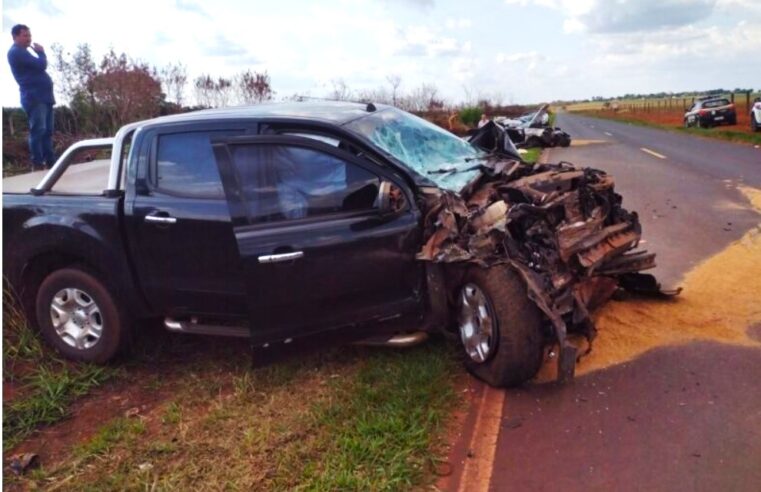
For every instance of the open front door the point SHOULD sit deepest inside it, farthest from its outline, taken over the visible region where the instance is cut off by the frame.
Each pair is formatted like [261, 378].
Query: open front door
[316, 246]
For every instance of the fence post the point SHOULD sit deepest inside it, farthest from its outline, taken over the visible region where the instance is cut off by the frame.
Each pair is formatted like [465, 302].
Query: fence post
[732, 98]
[747, 102]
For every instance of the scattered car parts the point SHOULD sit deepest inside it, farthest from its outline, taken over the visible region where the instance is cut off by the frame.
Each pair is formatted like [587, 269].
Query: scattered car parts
[533, 130]
[562, 228]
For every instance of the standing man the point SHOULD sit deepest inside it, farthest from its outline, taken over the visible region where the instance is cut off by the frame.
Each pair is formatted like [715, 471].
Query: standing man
[36, 89]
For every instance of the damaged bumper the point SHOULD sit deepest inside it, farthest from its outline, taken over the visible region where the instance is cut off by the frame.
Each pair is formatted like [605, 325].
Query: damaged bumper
[563, 229]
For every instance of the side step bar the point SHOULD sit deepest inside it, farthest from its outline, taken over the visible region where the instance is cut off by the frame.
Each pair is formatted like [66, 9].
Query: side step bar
[195, 328]
[396, 341]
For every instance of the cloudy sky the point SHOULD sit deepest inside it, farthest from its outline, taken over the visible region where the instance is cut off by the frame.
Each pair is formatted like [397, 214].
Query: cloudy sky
[520, 51]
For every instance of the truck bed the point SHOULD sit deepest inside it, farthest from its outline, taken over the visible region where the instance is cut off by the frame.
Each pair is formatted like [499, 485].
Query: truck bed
[87, 178]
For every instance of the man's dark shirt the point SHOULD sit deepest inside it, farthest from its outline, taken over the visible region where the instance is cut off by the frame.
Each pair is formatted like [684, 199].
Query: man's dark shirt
[35, 84]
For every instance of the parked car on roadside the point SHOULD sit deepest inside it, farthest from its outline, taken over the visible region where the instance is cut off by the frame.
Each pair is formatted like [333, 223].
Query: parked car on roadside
[708, 112]
[755, 115]
[281, 221]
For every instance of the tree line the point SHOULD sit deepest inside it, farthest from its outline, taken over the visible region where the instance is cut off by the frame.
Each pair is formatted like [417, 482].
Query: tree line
[96, 98]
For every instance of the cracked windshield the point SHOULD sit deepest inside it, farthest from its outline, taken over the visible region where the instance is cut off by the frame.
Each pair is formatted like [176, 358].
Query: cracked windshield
[424, 147]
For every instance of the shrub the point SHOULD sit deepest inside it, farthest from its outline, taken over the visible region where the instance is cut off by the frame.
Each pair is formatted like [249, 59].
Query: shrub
[470, 115]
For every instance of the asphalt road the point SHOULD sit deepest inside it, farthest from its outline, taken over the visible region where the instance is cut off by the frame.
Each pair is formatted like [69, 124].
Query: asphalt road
[687, 199]
[679, 417]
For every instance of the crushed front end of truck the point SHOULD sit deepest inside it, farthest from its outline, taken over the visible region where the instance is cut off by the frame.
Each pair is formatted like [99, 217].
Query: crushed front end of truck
[562, 228]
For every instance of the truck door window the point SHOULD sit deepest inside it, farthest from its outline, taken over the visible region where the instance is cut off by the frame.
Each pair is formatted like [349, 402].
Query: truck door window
[185, 164]
[286, 182]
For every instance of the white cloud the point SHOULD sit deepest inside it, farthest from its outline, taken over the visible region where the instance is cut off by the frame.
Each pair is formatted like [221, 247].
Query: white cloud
[606, 16]
[425, 41]
[458, 23]
[530, 60]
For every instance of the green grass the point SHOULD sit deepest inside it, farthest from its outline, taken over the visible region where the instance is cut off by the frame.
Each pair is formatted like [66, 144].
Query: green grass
[172, 415]
[46, 384]
[120, 431]
[377, 431]
[715, 133]
[532, 155]
[346, 419]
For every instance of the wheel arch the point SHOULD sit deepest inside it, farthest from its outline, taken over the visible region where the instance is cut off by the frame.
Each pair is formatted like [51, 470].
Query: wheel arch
[46, 248]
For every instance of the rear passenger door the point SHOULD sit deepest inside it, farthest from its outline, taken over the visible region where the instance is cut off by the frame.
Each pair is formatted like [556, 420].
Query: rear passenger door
[180, 228]
[315, 249]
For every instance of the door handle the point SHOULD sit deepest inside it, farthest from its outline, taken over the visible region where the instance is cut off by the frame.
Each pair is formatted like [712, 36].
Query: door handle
[160, 219]
[293, 255]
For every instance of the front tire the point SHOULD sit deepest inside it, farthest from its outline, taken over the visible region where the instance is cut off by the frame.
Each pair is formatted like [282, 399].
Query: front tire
[79, 316]
[500, 327]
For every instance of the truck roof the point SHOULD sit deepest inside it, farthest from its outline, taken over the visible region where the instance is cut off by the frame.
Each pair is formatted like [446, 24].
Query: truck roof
[336, 112]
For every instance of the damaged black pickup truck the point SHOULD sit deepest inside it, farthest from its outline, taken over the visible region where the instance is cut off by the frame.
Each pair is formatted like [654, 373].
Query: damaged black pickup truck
[279, 221]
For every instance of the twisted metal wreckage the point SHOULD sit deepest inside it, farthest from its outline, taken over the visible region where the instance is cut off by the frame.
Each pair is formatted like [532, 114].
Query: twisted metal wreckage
[563, 229]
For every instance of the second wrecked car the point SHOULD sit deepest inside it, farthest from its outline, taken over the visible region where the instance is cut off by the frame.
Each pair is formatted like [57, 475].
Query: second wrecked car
[280, 221]
[533, 130]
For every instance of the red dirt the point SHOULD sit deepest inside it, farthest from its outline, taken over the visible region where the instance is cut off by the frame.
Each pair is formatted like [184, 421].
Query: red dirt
[152, 376]
[675, 117]
[9, 391]
[88, 415]
[459, 433]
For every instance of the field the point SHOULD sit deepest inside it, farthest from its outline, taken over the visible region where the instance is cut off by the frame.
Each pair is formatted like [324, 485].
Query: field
[669, 114]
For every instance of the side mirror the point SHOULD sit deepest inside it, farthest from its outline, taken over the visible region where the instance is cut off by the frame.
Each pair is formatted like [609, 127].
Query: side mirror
[391, 199]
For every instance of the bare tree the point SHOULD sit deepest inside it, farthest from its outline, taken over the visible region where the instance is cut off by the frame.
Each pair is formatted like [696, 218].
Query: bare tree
[253, 87]
[174, 78]
[341, 91]
[395, 80]
[204, 90]
[378, 95]
[213, 93]
[73, 71]
[222, 92]
[422, 98]
[470, 98]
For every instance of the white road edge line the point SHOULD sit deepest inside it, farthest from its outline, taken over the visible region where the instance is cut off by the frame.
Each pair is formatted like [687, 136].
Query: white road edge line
[608, 134]
[652, 152]
[477, 472]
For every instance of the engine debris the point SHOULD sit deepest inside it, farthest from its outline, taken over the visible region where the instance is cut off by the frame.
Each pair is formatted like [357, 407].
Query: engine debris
[563, 229]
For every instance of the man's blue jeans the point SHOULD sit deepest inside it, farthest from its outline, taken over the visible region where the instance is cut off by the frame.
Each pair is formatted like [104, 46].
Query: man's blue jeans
[41, 134]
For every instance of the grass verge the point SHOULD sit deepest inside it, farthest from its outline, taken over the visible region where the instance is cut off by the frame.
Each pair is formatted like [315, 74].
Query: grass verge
[532, 155]
[45, 385]
[346, 419]
[715, 133]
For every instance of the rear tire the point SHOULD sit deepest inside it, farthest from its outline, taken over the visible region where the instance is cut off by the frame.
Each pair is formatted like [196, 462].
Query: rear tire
[79, 316]
[495, 300]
